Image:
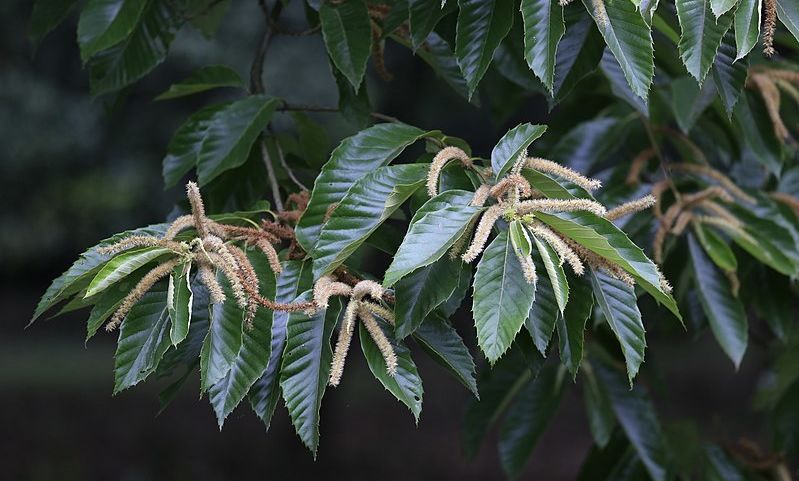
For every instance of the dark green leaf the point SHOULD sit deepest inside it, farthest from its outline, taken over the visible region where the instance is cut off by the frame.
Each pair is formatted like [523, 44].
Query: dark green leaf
[186, 143]
[543, 29]
[179, 303]
[205, 78]
[306, 368]
[544, 312]
[355, 157]
[223, 341]
[441, 58]
[527, 419]
[105, 23]
[368, 203]
[434, 229]
[109, 301]
[724, 312]
[47, 15]
[788, 13]
[617, 301]
[502, 297]
[689, 100]
[717, 248]
[348, 37]
[601, 419]
[720, 466]
[121, 266]
[747, 26]
[513, 144]
[443, 343]
[554, 269]
[571, 325]
[701, 35]
[405, 385]
[481, 27]
[423, 15]
[422, 291]
[579, 51]
[729, 73]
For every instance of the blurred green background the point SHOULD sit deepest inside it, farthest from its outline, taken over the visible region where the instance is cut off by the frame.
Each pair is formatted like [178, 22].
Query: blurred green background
[75, 170]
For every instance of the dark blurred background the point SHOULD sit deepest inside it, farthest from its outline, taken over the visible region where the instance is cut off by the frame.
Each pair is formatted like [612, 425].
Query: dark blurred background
[75, 170]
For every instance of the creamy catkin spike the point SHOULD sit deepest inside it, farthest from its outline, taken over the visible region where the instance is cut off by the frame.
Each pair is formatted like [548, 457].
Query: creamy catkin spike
[550, 167]
[439, 162]
[148, 281]
[631, 207]
[482, 232]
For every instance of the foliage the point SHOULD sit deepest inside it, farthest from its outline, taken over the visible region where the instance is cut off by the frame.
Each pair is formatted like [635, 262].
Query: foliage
[692, 134]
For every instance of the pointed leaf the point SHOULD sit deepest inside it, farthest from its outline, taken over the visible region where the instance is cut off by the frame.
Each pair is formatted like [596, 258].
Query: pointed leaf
[513, 144]
[368, 203]
[143, 339]
[179, 303]
[720, 7]
[729, 74]
[108, 302]
[434, 228]
[205, 78]
[47, 15]
[527, 419]
[601, 419]
[554, 268]
[223, 341]
[423, 16]
[443, 343]
[617, 302]
[255, 350]
[788, 13]
[265, 393]
[355, 157]
[605, 239]
[725, 313]
[348, 37]
[571, 325]
[629, 39]
[544, 312]
[121, 266]
[717, 248]
[421, 292]
[480, 29]
[747, 26]
[579, 51]
[105, 23]
[543, 29]
[701, 35]
[502, 297]
[306, 368]
[186, 143]
[406, 385]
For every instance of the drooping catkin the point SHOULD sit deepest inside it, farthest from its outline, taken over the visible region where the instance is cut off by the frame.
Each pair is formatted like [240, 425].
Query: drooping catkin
[208, 279]
[271, 254]
[482, 232]
[548, 166]
[480, 195]
[769, 26]
[631, 207]
[637, 165]
[528, 267]
[367, 287]
[682, 222]
[561, 205]
[197, 208]
[141, 241]
[156, 274]
[771, 98]
[510, 182]
[382, 342]
[439, 162]
[231, 273]
[379, 310]
[714, 174]
[600, 13]
[327, 287]
[179, 225]
[557, 243]
[343, 343]
[715, 209]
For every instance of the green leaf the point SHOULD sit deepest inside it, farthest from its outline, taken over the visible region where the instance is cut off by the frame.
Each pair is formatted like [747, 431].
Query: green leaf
[617, 301]
[513, 144]
[725, 313]
[720, 7]
[421, 292]
[230, 135]
[754, 128]
[605, 239]
[629, 39]
[105, 23]
[637, 417]
[554, 268]
[571, 325]
[788, 13]
[265, 393]
[406, 385]
[701, 35]
[579, 51]
[601, 419]
[47, 15]
[306, 368]
[443, 343]
[143, 50]
[619, 86]
[502, 298]
[747, 26]
[480, 29]
[121, 266]
[729, 74]
[433, 230]
[347, 32]
[108, 302]
[313, 139]
[717, 248]
[255, 349]
[441, 58]
[143, 339]
[720, 466]
[689, 100]
[355, 157]
[186, 143]
[368, 203]
[423, 16]
[203, 79]
[179, 303]
[528, 418]
[223, 341]
[544, 312]
[543, 29]
[498, 387]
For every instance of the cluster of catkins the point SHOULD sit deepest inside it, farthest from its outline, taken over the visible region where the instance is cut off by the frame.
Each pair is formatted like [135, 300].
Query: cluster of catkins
[517, 200]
